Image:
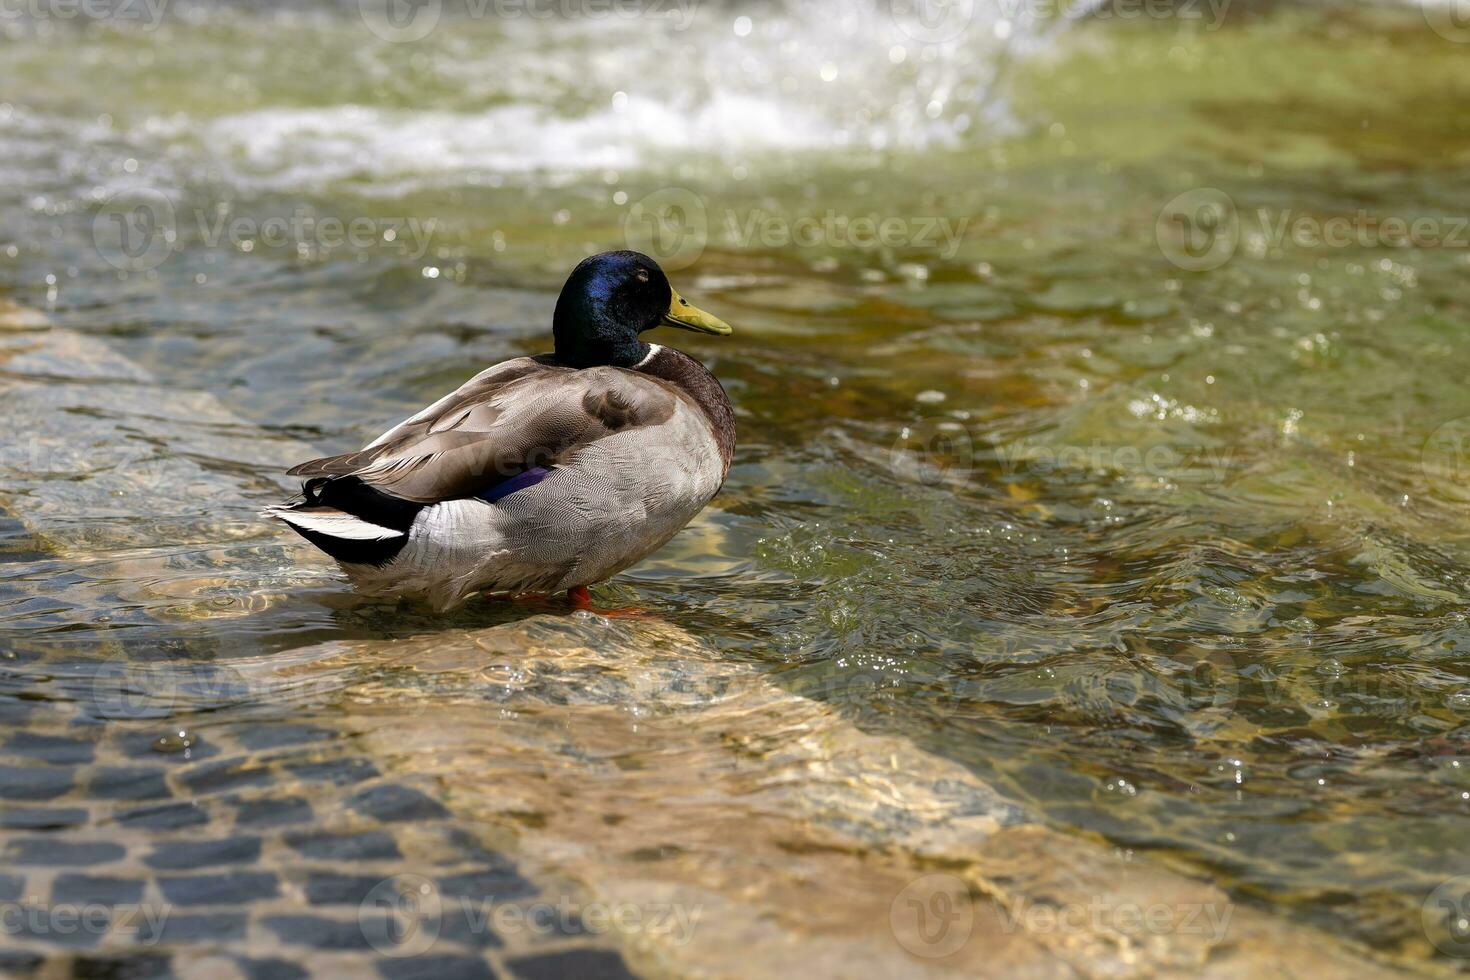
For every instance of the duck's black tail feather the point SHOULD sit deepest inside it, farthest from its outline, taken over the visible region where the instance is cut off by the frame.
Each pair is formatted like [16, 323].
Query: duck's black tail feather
[350, 520]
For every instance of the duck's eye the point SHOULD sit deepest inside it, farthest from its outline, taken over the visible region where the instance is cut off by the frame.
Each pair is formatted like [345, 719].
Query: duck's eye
[642, 275]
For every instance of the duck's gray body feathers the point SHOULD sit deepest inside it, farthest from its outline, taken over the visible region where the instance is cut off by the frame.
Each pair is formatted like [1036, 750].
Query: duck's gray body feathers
[531, 477]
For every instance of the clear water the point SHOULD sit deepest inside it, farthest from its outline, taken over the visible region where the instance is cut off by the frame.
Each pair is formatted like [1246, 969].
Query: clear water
[1159, 528]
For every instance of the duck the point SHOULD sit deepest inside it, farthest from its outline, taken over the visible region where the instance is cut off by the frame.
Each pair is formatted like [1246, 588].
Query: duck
[541, 474]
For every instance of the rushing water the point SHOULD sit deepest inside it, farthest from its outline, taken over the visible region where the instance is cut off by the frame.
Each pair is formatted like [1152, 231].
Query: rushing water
[1102, 385]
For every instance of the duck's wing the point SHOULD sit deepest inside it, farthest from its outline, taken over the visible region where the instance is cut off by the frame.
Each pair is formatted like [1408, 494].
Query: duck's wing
[513, 418]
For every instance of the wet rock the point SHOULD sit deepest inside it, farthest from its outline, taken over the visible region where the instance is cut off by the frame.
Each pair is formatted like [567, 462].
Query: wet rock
[78, 889]
[392, 803]
[498, 883]
[230, 888]
[319, 933]
[583, 964]
[14, 711]
[282, 735]
[203, 853]
[68, 853]
[170, 816]
[57, 749]
[145, 745]
[118, 783]
[225, 774]
[75, 928]
[42, 818]
[331, 888]
[273, 812]
[341, 772]
[214, 927]
[15, 963]
[468, 924]
[465, 847]
[34, 782]
[435, 968]
[372, 845]
[269, 969]
[138, 966]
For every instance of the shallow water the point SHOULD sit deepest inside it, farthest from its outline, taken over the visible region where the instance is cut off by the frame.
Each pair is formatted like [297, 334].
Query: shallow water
[1100, 476]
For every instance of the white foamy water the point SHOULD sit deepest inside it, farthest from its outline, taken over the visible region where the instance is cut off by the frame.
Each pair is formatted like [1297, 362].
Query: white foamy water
[478, 97]
[285, 149]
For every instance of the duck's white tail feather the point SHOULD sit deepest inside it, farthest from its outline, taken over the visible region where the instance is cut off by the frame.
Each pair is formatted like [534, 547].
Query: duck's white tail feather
[333, 523]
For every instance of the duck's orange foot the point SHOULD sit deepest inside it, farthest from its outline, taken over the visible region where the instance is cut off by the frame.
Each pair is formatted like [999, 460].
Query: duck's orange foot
[581, 599]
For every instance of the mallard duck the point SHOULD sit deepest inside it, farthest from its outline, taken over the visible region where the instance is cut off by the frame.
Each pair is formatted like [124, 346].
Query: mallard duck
[540, 474]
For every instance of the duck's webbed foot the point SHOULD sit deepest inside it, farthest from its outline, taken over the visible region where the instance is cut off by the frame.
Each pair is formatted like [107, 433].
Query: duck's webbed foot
[581, 599]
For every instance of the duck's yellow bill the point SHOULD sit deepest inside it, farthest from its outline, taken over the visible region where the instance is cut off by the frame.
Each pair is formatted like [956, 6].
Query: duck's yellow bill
[686, 316]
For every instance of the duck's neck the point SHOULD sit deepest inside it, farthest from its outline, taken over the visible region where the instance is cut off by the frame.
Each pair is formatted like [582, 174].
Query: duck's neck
[696, 380]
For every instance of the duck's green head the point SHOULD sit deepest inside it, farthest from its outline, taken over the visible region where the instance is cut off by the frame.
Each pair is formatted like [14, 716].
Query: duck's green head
[610, 299]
